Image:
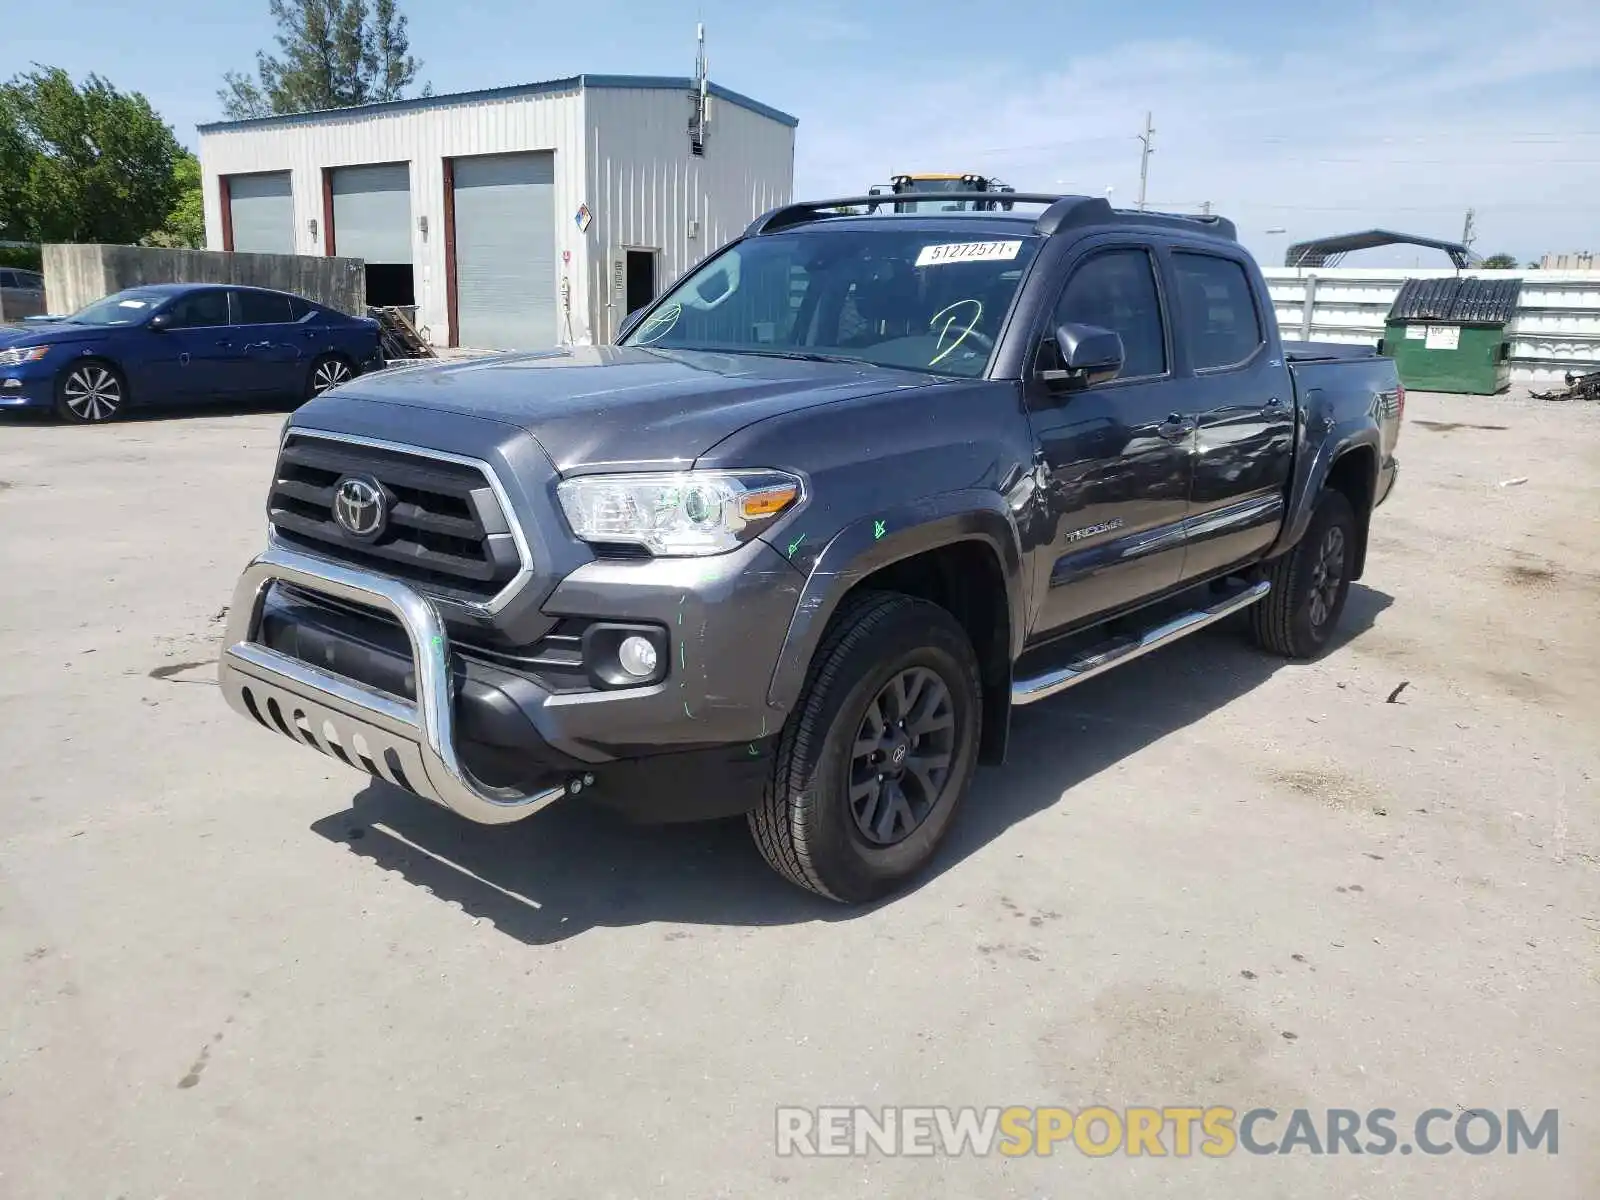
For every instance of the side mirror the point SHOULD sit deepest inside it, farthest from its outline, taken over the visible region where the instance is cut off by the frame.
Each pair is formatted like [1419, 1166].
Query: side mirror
[629, 322]
[1088, 355]
[160, 321]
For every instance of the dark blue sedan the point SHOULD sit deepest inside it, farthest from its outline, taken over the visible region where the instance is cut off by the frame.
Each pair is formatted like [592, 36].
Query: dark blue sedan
[182, 342]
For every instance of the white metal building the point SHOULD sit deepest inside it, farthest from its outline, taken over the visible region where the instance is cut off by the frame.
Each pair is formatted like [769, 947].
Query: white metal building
[519, 218]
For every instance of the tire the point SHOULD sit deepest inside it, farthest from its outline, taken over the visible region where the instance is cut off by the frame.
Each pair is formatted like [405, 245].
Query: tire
[329, 371]
[823, 822]
[90, 392]
[1300, 613]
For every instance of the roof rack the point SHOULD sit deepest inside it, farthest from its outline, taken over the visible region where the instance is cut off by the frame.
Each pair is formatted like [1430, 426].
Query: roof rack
[1060, 212]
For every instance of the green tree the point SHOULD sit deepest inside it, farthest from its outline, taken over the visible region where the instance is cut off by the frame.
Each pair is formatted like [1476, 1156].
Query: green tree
[82, 164]
[1500, 262]
[185, 226]
[332, 54]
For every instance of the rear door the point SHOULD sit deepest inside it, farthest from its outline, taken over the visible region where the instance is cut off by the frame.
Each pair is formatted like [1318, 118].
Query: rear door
[270, 349]
[193, 357]
[1240, 396]
[1117, 455]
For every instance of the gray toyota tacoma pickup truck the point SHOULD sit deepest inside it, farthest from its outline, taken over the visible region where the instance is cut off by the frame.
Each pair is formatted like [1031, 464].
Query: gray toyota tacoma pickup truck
[796, 545]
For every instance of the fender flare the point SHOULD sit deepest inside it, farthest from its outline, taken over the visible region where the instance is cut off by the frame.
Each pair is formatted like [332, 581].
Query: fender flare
[1324, 443]
[875, 542]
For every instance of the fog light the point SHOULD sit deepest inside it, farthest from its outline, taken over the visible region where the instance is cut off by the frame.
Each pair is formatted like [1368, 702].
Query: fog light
[637, 657]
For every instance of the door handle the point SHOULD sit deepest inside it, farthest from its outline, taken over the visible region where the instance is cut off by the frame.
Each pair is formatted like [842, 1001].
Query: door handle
[224, 343]
[1176, 426]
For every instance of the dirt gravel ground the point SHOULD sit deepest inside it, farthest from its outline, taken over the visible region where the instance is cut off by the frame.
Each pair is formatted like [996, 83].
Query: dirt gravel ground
[229, 968]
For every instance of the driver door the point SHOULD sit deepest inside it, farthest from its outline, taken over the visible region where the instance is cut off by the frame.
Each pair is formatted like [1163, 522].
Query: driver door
[1118, 463]
[191, 358]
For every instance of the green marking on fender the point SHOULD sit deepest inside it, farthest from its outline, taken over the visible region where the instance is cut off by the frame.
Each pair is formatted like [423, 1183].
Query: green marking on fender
[754, 753]
[877, 530]
[795, 545]
[683, 660]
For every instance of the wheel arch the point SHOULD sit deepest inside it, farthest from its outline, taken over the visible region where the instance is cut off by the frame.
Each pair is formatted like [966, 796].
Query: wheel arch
[960, 551]
[1347, 459]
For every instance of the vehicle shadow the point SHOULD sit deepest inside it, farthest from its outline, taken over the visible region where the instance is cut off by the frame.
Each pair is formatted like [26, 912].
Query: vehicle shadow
[573, 867]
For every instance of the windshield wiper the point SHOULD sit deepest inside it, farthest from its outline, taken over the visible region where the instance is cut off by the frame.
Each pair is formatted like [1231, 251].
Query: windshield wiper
[803, 355]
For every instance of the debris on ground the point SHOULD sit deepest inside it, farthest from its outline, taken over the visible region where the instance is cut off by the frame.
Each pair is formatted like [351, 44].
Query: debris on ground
[1394, 696]
[1517, 482]
[1579, 387]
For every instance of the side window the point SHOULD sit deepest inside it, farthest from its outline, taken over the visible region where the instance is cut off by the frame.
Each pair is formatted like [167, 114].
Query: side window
[1116, 290]
[298, 308]
[8, 279]
[200, 310]
[1218, 310]
[260, 308]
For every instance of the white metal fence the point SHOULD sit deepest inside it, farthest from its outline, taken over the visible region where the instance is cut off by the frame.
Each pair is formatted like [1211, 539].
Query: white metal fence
[1556, 329]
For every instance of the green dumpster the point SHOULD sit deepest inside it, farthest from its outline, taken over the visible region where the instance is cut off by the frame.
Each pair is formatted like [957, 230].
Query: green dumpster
[1449, 335]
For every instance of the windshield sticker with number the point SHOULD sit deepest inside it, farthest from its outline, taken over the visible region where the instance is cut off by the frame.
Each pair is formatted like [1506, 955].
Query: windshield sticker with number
[960, 252]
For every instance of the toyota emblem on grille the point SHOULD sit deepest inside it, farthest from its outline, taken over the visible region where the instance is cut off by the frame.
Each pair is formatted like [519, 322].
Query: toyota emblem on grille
[359, 505]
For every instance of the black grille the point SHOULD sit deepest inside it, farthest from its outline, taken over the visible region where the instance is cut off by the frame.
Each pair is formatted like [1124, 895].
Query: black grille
[446, 531]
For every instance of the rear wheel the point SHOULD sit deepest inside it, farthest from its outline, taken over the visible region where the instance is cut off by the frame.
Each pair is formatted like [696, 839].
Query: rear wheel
[329, 371]
[878, 754]
[90, 393]
[1310, 584]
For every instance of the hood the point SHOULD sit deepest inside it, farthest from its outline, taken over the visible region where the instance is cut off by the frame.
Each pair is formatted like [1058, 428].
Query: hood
[48, 333]
[618, 407]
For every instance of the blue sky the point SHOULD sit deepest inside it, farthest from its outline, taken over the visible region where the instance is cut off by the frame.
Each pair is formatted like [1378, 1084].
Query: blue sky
[1313, 119]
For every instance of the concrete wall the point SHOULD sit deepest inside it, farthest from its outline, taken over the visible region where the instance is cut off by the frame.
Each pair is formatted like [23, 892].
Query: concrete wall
[78, 275]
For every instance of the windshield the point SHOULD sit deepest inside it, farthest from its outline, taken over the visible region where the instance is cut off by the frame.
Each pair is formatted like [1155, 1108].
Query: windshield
[892, 297]
[124, 308]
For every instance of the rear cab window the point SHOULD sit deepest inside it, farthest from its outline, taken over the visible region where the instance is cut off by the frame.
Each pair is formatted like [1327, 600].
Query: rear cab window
[1217, 306]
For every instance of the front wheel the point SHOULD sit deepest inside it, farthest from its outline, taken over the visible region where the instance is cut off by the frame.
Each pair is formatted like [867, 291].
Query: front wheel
[1310, 584]
[90, 393]
[878, 754]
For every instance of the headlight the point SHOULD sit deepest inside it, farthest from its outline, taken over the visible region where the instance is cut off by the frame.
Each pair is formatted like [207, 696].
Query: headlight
[16, 356]
[690, 513]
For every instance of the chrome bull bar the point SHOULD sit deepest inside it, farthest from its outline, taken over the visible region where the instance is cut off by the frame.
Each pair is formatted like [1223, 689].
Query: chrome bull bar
[409, 744]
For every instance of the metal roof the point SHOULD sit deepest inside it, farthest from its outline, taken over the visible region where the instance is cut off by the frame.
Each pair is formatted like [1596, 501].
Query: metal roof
[1327, 251]
[664, 83]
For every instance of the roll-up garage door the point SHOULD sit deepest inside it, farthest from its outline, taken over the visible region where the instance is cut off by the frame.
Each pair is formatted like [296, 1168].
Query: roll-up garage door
[262, 213]
[505, 240]
[372, 212]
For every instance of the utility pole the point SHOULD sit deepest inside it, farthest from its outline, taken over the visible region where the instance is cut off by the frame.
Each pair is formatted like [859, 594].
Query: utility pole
[1205, 208]
[1147, 137]
[1468, 231]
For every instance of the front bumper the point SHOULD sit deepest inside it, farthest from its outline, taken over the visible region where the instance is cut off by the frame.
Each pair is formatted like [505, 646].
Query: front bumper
[26, 387]
[410, 744]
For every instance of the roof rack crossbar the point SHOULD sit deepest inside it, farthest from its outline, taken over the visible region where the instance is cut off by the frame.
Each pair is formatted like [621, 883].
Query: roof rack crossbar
[1061, 212]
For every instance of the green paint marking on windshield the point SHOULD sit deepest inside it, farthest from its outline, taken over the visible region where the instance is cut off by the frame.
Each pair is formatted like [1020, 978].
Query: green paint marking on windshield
[877, 530]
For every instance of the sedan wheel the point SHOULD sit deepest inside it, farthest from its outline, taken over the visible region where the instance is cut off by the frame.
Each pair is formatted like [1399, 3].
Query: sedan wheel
[330, 373]
[90, 394]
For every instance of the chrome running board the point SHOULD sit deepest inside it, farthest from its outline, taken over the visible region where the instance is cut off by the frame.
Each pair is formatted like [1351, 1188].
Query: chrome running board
[1103, 657]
